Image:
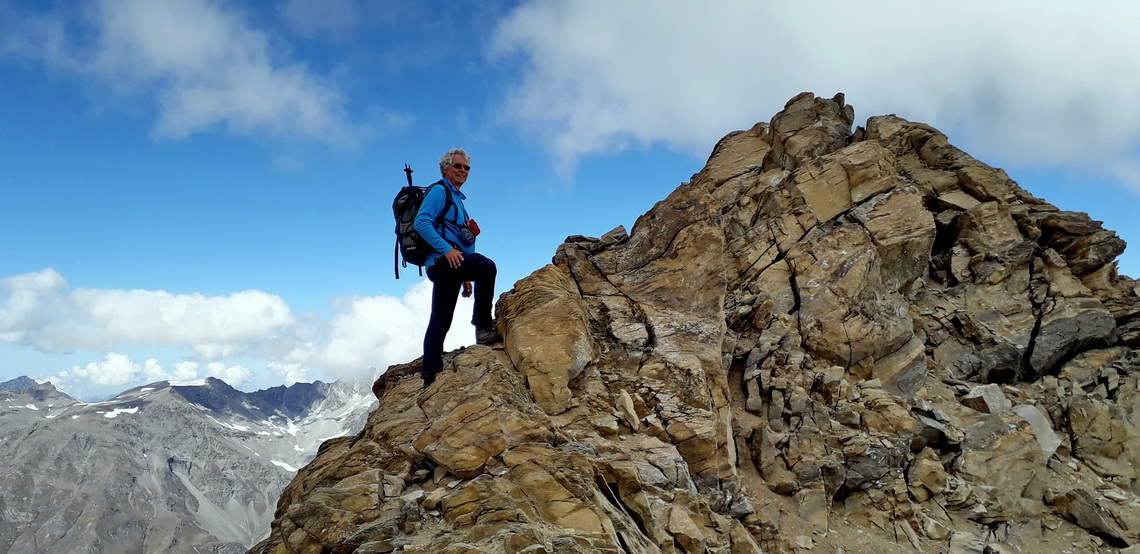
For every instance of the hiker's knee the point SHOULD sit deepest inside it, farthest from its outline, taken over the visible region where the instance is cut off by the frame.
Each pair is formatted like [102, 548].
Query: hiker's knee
[486, 265]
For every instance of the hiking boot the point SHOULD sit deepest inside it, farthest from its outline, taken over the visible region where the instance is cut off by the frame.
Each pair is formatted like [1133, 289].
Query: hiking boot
[487, 336]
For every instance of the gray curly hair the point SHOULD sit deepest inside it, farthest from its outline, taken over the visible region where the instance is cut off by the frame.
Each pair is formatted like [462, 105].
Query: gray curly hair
[445, 160]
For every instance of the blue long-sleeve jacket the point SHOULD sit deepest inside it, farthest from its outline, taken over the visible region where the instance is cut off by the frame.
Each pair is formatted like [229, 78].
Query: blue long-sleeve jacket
[442, 237]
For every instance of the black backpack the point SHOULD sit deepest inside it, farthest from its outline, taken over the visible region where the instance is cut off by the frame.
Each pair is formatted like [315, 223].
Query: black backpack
[409, 243]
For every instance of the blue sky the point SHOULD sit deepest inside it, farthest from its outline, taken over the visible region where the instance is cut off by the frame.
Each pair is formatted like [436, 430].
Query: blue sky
[201, 187]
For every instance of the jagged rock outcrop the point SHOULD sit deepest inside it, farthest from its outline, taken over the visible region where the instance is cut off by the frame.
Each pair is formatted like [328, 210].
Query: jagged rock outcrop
[829, 338]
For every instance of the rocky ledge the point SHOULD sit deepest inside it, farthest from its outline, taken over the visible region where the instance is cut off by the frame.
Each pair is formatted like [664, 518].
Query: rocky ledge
[829, 339]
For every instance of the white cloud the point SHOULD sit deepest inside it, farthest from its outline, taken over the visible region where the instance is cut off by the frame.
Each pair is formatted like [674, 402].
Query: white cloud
[234, 375]
[40, 311]
[27, 302]
[37, 309]
[114, 370]
[204, 62]
[378, 331]
[365, 333]
[290, 372]
[185, 371]
[1030, 83]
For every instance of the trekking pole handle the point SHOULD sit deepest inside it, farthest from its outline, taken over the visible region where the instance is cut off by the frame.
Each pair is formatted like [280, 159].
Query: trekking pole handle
[408, 170]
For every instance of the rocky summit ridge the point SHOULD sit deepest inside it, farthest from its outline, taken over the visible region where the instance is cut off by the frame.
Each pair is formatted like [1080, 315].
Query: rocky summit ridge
[830, 339]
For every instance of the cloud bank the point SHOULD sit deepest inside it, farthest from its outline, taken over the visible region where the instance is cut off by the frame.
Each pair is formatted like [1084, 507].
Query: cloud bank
[1020, 82]
[38, 310]
[117, 370]
[364, 333]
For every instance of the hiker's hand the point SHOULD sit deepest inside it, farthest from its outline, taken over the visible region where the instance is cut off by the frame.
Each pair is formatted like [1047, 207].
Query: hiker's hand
[467, 289]
[454, 257]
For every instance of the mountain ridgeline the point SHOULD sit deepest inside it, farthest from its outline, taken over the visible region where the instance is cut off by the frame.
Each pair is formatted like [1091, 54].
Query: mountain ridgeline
[168, 467]
[839, 338]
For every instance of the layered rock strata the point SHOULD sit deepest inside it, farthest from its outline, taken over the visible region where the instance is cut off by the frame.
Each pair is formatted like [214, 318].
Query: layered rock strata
[862, 339]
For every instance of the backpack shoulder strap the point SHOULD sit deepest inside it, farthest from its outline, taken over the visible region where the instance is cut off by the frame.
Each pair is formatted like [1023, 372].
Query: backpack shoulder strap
[448, 204]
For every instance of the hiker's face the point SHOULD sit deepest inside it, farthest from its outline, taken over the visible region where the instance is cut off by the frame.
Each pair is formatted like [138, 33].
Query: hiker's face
[457, 175]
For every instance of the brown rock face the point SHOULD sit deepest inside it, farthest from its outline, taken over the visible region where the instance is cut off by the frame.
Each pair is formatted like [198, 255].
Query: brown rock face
[862, 340]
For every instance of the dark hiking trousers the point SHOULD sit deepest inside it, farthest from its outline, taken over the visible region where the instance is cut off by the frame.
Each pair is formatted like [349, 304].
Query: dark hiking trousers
[447, 281]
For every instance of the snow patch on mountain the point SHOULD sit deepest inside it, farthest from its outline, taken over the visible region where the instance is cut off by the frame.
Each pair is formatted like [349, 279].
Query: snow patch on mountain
[170, 464]
[115, 413]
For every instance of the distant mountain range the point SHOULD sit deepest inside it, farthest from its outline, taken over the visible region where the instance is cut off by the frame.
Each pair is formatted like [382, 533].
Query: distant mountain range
[167, 467]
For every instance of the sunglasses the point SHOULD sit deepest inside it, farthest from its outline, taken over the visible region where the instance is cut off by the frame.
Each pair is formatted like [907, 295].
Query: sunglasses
[461, 166]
